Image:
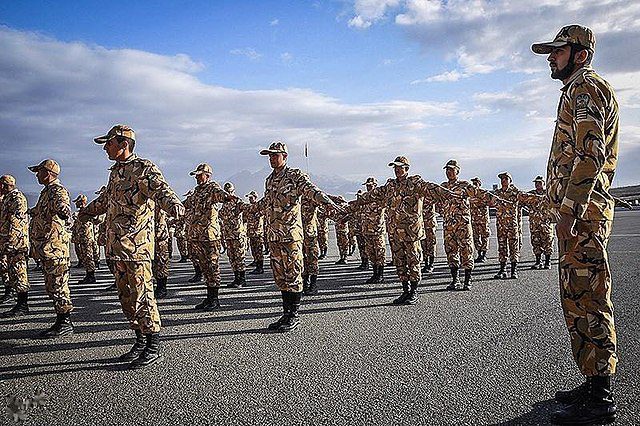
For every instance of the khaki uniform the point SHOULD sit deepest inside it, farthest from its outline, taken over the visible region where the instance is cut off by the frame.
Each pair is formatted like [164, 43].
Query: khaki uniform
[181, 236]
[282, 206]
[49, 239]
[430, 226]
[403, 199]
[135, 187]
[14, 239]
[83, 238]
[160, 265]
[234, 230]
[255, 230]
[373, 229]
[191, 238]
[540, 222]
[323, 230]
[310, 247]
[355, 233]
[508, 224]
[480, 222]
[581, 166]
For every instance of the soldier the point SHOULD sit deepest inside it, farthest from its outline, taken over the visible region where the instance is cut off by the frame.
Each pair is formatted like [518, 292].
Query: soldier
[234, 230]
[14, 242]
[4, 272]
[342, 230]
[281, 203]
[403, 198]
[310, 246]
[323, 232]
[255, 231]
[205, 232]
[356, 237]
[161, 253]
[191, 236]
[135, 187]
[83, 239]
[480, 223]
[457, 230]
[540, 225]
[181, 239]
[373, 229]
[49, 239]
[508, 224]
[429, 242]
[582, 163]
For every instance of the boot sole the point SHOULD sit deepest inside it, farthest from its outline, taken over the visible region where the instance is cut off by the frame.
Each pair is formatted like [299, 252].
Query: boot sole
[133, 366]
[598, 420]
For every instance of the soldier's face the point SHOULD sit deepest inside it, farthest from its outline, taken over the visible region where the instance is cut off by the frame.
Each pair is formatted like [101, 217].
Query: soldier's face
[452, 173]
[558, 59]
[115, 150]
[278, 160]
[43, 176]
[401, 171]
[505, 181]
[370, 186]
[539, 186]
[202, 178]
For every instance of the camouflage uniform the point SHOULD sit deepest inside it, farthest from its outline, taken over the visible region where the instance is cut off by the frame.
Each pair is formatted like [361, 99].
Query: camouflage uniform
[323, 232]
[83, 239]
[160, 264]
[310, 248]
[429, 241]
[357, 238]
[234, 230]
[181, 237]
[255, 230]
[14, 239]
[480, 223]
[508, 224]
[342, 230]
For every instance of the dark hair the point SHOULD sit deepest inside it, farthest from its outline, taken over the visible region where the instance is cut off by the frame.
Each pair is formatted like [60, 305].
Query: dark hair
[129, 141]
[577, 48]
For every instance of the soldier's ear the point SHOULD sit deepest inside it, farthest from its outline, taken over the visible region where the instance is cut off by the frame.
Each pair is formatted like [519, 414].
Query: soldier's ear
[581, 57]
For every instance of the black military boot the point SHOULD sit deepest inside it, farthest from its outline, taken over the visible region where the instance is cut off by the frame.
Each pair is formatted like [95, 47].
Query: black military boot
[8, 294]
[61, 327]
[259, 270]
[161, 288]
[374, 278]
[253, 263]
[547, 261]
[482, 256]
[467, 280]
[341, 261]
[597, 407]
[323, 254]
[380, 274]
[20, 308]
[412, 297]
[364, 265]
[305, 284]
[197, 276]
[292, 320]
[537, 264]
[425, 268]
[455, 279]
[429, 265]
[405, 294]
[502, 273]
[233, 283]
[183, 259]
[211, 302]
[112, 287]
[136, 349]
[242, 280]
[150, 353]
[313, 285]
[514, 270]
[286, 308]
[98, 264]
[78, 265]
[89, 278]
[574, 395]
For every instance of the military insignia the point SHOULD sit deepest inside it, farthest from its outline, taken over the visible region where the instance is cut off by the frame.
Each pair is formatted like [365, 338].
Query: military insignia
[582, 101]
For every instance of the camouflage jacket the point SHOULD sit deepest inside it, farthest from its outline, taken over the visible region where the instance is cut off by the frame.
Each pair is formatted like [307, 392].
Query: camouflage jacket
[480, 211]
[429, 214]
[309, 213]
[255, 220]
[82, 232]
[48, 231]
[372, 216]
[282, 203]
[404, 199]
[232, 219]
[584, 151]
[161, 224]
[101, 234]
[14, 223]
[457, 211]
[178, 225]
[135, 186]
[323, 220]
[537, 204]
[204, 224]
[509, 216]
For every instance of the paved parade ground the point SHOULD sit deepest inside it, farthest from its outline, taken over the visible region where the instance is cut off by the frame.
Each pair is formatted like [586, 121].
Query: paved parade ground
[494, 355]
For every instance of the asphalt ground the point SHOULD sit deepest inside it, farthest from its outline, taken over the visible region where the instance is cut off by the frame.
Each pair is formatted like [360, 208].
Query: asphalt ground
[494, 355]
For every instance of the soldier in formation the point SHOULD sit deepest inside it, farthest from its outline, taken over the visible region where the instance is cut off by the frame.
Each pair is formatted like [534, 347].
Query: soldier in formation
[310, 247]
[323, 232]
[372, 215]
[429, 241]
[480, 223]
[161, 252]
[341, 225]
[508, 226]
[255, 232]
[234, 230]
[83, 238]
[540, 223]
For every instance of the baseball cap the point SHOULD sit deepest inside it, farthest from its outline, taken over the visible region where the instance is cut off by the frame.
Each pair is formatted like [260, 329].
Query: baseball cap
[452, 164]
[47, 164]
[570, 34]
[202, 168]
[276, 147]
[117, 130]
[400, 161]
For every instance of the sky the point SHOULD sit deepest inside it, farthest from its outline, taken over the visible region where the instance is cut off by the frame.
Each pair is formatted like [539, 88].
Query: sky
[360, 82]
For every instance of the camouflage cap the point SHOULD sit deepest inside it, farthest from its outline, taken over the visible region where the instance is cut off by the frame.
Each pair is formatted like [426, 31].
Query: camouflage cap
[202, 168]
[101, 190]
[47, 164]
[8, 180]
[504, 174]
[371, 180]
[571, 34]
[476, 179]
[452, 164]
[400, 161]
[228, 186]
[80, 197]
[276, 147]
[252, 194]
[539, 179]
[117, 130]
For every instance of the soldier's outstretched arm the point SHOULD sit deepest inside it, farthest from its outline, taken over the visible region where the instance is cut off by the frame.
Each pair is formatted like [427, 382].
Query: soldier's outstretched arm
[437, 192]
[622, 203]
[154, 186]
[95, 208]
[308, 189]
[62, 203]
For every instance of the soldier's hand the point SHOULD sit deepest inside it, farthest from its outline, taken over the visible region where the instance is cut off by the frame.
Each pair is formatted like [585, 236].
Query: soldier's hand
[177, 211]
[565, 228]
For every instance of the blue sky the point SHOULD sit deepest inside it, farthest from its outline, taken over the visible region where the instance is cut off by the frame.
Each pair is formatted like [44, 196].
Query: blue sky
[361, 81]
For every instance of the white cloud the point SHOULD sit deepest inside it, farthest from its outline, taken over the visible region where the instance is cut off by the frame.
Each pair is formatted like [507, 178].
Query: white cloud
[286, 57]
[247, 52]
[274, 22]
[447, 76]
[368, 12]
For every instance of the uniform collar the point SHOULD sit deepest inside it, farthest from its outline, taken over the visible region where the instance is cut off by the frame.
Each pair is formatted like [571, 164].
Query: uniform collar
[276, 173]
[575, 76]
[129, 159]
[53, 182]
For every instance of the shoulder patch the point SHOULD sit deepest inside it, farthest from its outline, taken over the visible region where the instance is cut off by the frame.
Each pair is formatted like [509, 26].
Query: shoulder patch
[582, 102]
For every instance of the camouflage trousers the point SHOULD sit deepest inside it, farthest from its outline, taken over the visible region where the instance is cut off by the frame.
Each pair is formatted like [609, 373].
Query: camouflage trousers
[96, 251]
[406, 258]
[86, 256]
[375, 249]
[56, 282]
[135, 291]
[481, 233]
[310, 254]
[342, 240]
[509, 244]
[17, 278]
[542, 239]
[181, 242]
[160, 264]
[286, 264]
[236, 250]
[207, 254]
[323, 238]
[257, 252]
[458, 244]
[4, 272]
[361, 246]
[429, 242]
[585, 292]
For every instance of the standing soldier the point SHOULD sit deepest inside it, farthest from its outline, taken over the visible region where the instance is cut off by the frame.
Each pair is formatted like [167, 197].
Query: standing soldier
[4, 271]
[192, 237]
[540, 226]
[323, 232]
[429, 241]
[284, 188]
[161, 253]
[234, 230]
[356, 237]
[255, 231]
[135, 187]
[480, 222]
[373, 229]
[404, 197]
[508, 226]
[14, 242]
[181, 238]
[83, 238]
[310, 248]
[582, 163]
[49, 239]
[205, 232]
[342, 229]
